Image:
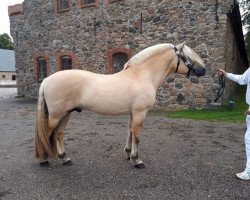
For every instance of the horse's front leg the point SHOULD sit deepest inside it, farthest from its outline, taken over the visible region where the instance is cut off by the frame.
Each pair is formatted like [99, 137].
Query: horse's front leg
[128, 145]
[137, 121]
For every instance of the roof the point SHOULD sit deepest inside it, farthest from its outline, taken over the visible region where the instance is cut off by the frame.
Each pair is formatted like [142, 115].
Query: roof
[7, 60]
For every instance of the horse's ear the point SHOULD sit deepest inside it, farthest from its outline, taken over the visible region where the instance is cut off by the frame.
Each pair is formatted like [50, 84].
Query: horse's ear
[180, 46]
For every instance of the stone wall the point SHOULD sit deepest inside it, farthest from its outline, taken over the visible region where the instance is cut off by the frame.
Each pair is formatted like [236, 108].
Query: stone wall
[90, 33]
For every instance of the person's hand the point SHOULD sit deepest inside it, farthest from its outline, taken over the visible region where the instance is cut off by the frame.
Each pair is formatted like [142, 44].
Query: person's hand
[247, 112]
[221, 72]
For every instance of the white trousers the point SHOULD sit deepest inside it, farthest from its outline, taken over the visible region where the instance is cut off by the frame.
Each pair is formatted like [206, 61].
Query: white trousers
[247, 143]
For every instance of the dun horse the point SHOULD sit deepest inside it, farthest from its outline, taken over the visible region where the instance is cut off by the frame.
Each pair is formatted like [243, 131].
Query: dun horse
[131, 92]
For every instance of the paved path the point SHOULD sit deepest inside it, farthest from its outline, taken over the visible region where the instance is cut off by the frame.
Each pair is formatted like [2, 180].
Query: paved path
[184, 161]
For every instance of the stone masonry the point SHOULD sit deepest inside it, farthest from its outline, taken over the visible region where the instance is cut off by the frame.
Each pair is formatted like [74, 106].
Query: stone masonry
[90, 35]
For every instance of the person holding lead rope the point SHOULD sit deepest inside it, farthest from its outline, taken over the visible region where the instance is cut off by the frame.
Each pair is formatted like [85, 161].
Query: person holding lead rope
[243, 79]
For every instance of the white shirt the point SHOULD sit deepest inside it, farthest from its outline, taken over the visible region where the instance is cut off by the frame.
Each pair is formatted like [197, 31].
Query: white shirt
[243, 79]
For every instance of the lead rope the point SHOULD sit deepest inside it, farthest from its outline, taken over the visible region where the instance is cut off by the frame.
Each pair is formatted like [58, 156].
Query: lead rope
[222, 83]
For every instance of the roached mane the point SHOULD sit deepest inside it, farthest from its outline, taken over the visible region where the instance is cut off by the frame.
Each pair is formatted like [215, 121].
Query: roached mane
[147, 53]
[161, 48]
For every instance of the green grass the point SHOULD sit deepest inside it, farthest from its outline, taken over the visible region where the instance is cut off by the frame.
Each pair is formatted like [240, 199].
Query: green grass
[222, 114]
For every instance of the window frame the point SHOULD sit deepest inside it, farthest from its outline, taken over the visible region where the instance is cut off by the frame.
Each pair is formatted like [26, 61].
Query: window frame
[112, 1]
[113, 51]
[36, 65]
[62, 64]
[57, 5]
[70, 54]
[119, 57]
[82, 5]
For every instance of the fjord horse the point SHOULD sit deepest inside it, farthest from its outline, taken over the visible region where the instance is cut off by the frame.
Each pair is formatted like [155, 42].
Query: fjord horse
[131, 92]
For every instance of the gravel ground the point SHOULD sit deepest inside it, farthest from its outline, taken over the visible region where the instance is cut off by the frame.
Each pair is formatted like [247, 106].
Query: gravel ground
[185, 160]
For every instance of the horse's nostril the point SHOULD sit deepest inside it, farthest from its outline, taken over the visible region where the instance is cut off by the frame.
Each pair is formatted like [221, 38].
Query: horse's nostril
[200, 71]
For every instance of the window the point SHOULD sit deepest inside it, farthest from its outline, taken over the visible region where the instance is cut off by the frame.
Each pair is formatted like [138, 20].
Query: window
[117, 58]
[62, 5]
[13, 77]
[88, 3]
[3, 76]
[66, 62]
[41, 68]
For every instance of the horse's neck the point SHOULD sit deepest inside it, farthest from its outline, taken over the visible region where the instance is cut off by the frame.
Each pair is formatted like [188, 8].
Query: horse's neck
[158, 69]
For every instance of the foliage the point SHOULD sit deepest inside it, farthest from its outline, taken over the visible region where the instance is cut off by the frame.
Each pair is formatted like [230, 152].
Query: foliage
[245, 4]
[247, 43]
[5, 42]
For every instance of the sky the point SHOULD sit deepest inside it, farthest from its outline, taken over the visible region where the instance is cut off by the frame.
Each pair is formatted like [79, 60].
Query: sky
[4, 17]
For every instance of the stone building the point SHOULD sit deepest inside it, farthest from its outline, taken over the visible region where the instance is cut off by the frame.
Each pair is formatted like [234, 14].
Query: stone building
[101, 35]
[7, 65]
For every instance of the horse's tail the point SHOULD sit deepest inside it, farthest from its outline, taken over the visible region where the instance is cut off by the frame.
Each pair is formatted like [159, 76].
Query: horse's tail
[45, 145]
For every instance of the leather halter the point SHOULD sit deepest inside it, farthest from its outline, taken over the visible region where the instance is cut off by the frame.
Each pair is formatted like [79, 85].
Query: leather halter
[197, 71]
[184, 59]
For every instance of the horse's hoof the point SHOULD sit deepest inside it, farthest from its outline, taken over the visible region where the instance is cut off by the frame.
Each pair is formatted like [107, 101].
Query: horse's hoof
[44, 163]
[68, 163]
[140, 166]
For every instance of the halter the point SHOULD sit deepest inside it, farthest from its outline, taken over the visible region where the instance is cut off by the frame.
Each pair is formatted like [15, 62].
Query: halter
[184, 59]
[198, 71]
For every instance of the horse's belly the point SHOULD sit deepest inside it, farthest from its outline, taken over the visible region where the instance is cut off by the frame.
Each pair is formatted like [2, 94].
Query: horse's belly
[114, 97]
[106, 103]
[107, 109]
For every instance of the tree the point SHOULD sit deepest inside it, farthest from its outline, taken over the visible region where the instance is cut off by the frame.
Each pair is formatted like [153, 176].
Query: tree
[245, 5]
[247, 44]
[5, 42]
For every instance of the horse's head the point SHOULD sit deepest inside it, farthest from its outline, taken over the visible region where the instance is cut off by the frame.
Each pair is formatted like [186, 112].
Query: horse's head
[187, 59]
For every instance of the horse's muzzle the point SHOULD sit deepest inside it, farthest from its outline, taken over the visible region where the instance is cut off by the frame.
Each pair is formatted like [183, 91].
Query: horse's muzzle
[199, 71]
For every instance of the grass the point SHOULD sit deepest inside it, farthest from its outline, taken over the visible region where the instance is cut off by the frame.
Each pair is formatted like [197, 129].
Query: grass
[222, 114]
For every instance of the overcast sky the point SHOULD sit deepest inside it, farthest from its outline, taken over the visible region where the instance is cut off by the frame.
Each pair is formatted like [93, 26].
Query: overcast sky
[4, 22]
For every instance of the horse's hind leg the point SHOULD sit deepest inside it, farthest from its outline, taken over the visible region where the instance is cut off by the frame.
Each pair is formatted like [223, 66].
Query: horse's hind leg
[137, 121]
[128, 145]
[50, 148]
[59, 135]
